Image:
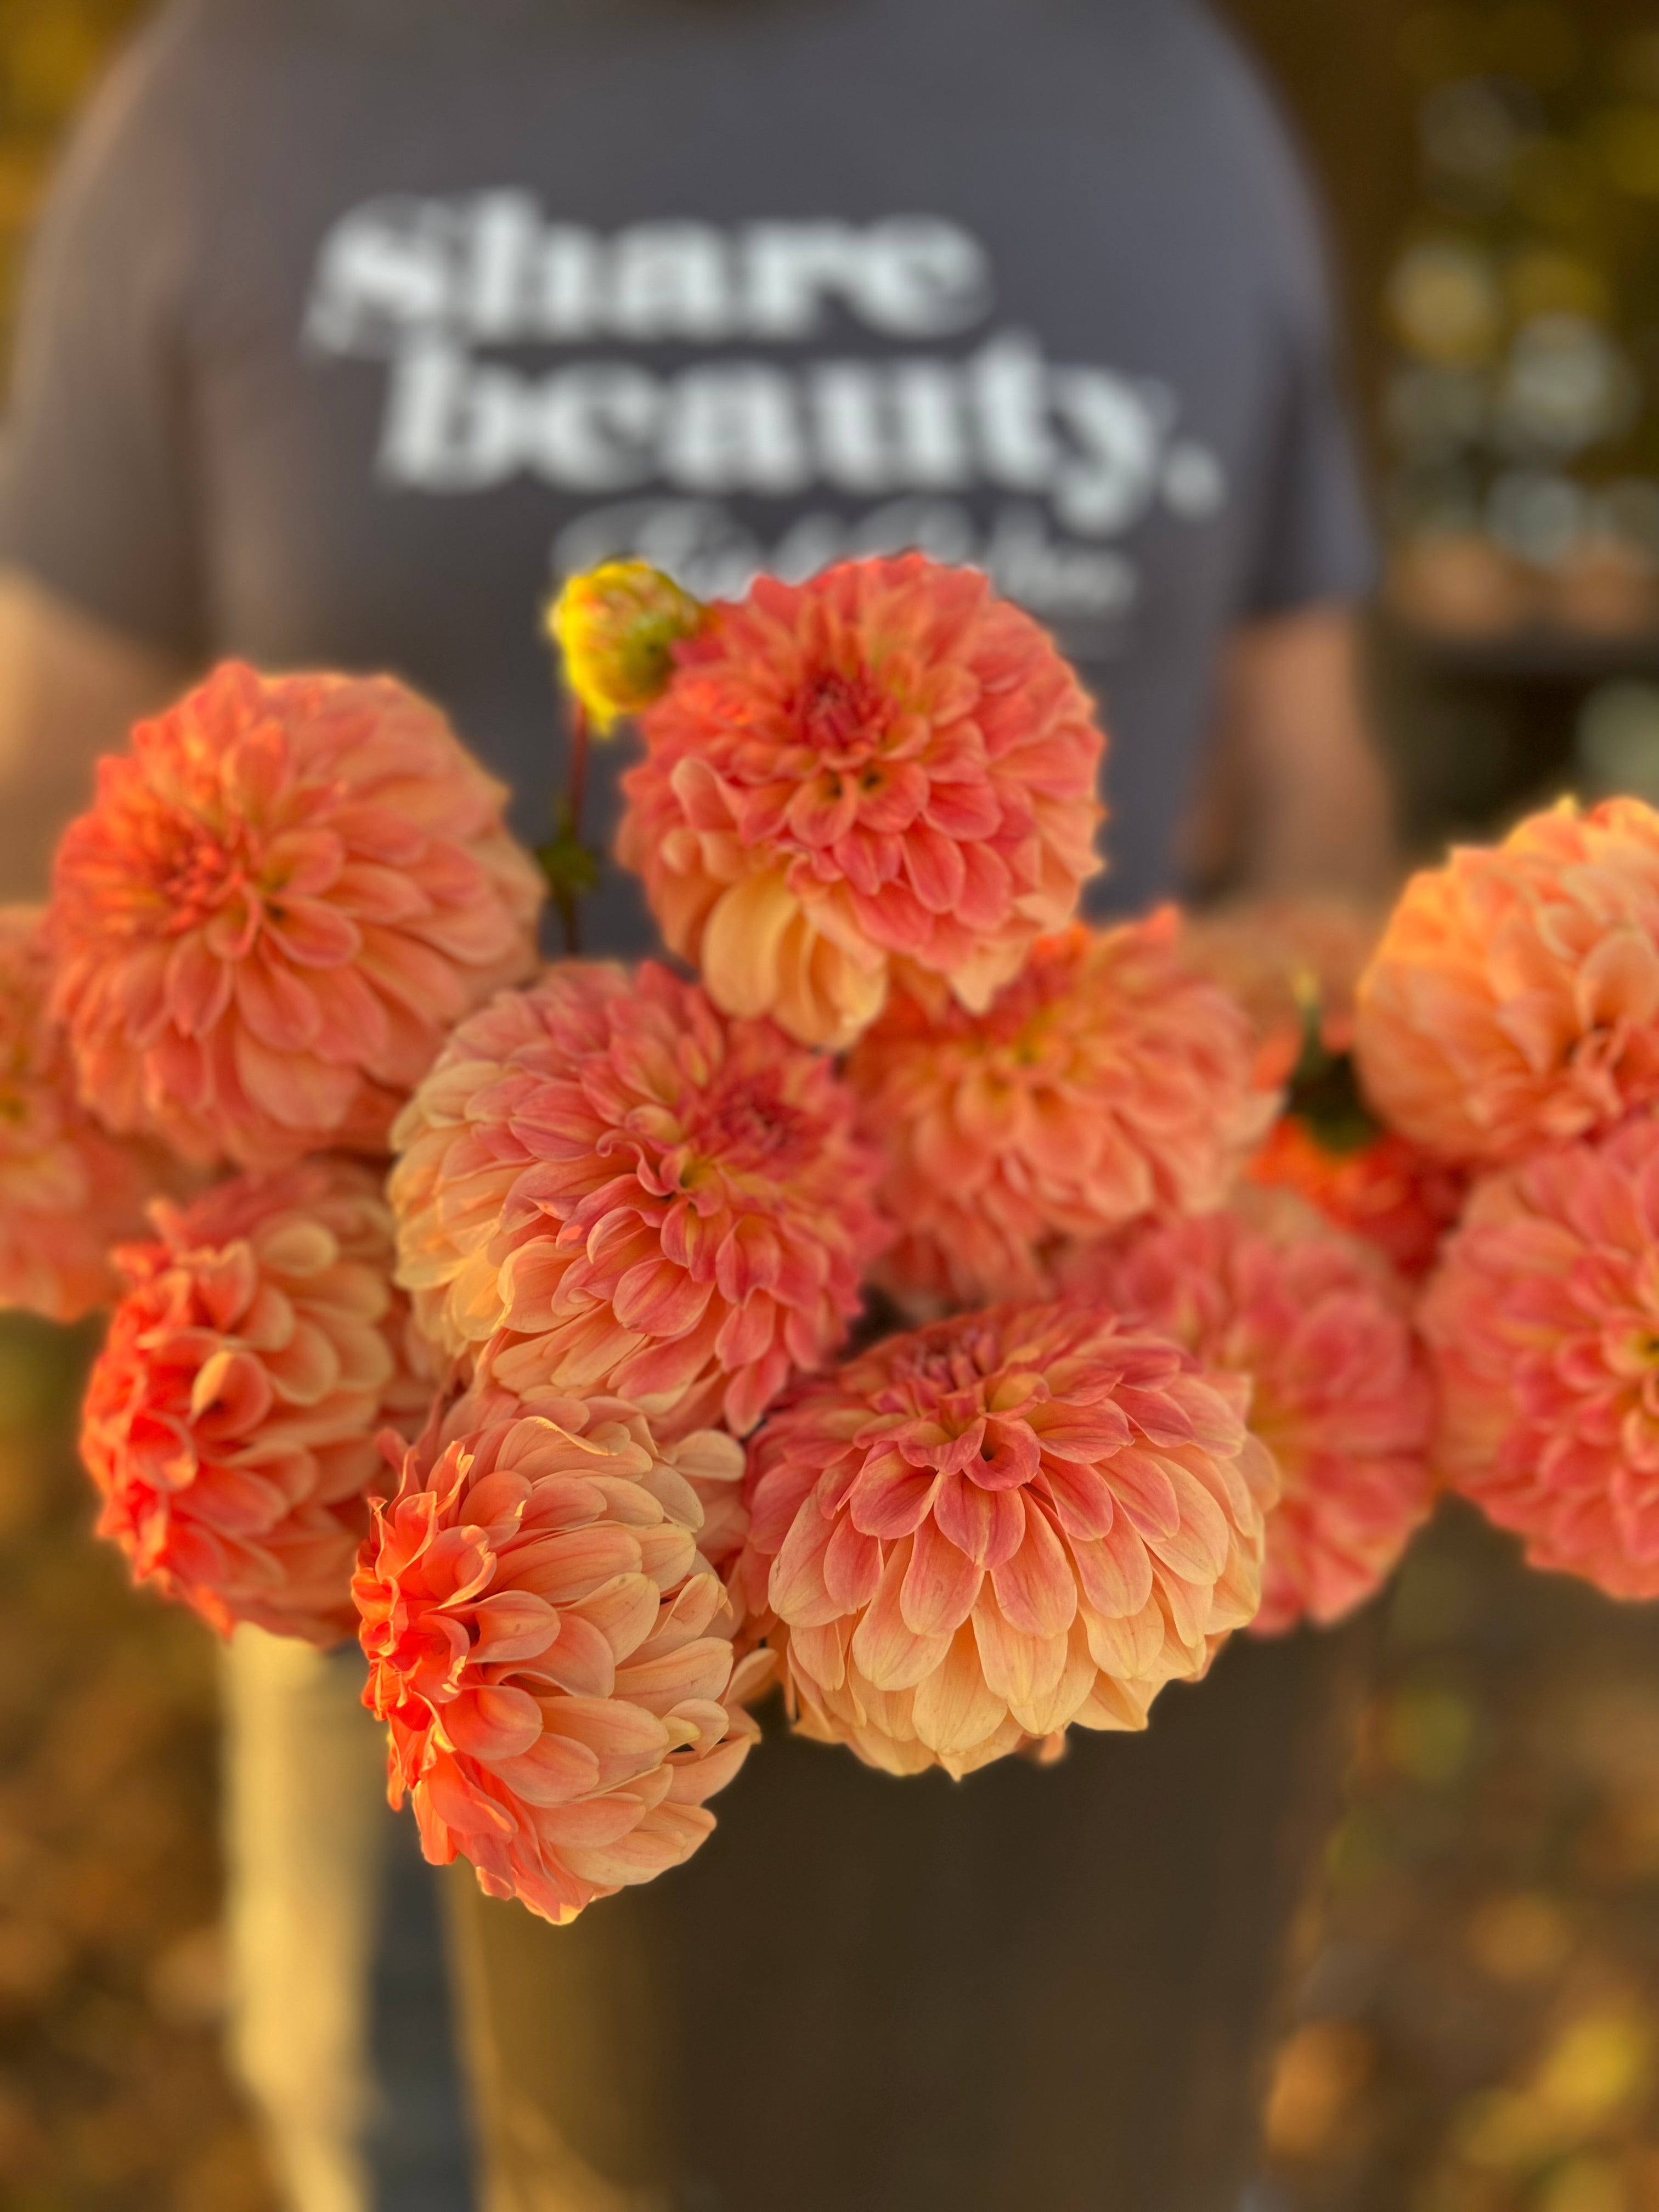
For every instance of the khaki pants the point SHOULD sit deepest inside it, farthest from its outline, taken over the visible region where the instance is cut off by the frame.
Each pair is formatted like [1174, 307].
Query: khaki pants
[305, 1839]
[1033, 1992]
[325, 1908]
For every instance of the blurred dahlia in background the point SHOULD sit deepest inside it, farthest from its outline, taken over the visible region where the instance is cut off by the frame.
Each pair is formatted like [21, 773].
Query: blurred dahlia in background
[1544, 1323]
[1513, 1003]
[69, 1191]
[1106, 1079]
[1293, 964]
[1322, 1329]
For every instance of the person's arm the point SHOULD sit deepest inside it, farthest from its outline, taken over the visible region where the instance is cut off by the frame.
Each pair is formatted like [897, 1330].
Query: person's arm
[103, 604]
[1296, 798]
[71, 688]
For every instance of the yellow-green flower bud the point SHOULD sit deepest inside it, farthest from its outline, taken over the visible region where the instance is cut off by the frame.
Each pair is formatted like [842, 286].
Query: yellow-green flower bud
[618, 627]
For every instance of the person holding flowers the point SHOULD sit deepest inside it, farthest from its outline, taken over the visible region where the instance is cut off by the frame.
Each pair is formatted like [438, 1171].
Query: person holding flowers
[346, 425]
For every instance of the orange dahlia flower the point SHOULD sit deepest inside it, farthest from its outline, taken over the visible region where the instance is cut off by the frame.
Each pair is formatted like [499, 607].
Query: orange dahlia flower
[606, 1185]
[1290, 962]
[68, 1190]
[1544, 1322]
[230, 1418]
[1514, 1001]
[1002, 1525]
[886, 765]
[279, 901]
[545, 1645]
[1106, 1079]
[1340, 1393]
[1385, 1189]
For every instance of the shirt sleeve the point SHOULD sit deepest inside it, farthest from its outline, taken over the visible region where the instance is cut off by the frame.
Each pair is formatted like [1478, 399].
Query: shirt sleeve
[1314, 543]
[1313, 538]
[97, 481]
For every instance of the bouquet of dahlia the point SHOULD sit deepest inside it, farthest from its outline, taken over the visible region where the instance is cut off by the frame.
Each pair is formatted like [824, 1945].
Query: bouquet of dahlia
[951, 1318]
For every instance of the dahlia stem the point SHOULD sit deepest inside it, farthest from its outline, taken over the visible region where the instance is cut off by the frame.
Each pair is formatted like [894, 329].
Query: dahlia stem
[579, 746]
[571, 870]
[569, 913]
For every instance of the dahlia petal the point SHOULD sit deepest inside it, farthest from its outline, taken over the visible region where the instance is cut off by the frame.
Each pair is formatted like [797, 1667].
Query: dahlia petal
[891, 1655]
[1036, 1588]
[296, 1091]
[851, 1568]
[940, 1584]
[797, 1587]
[955, 1708]
[513, 1625]
[552, 1771]
[660, 1299]
[988, 1525]
[492, 1723]
[889, 1498]
[742, 942]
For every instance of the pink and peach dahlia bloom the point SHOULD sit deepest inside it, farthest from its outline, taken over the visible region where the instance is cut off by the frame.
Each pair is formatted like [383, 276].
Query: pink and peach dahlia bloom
[1002, 1526]
[606, 1185]
[1104, 1081]
[1514, 1001]
[69, 1191]
[281, 899]
[1544, 1323]
[230, 1419]
[886, 766]
[549, 1649]
[1340, 1393]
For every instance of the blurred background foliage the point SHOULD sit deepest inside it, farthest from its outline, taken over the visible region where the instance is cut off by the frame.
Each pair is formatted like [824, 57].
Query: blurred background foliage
[1475, 2027]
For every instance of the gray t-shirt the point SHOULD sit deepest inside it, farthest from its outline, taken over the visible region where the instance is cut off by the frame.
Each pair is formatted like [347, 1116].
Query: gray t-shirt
[354, 323]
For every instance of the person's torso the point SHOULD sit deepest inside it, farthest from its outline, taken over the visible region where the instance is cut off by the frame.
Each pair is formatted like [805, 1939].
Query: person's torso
[735, 285]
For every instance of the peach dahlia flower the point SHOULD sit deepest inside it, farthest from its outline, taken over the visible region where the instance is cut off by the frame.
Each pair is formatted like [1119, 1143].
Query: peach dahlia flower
[1514, 1001]
[281, 899]
[1340, 1391]
[606, 1185]
[886, 765]
[1002, 1525]
[1104, 1080]
[549, 1651]
[68, 1190]
[1544, 1322]
[230, 1418]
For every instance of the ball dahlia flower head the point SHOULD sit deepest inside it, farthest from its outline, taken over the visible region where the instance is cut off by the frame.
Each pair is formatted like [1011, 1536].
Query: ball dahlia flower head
[606, 1185]
[1513, 1003]
[998, 1526]
[69, 1190]
[885, 773]
[550, 1651]
[1320, 1329]
[281, 898]
[1544, 1323]
[1104, 1081]
[230, 1419]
